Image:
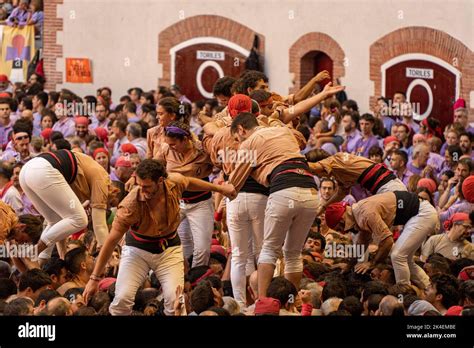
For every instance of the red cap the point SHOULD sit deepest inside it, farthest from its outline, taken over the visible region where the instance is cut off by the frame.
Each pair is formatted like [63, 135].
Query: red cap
[455, 218]
[46, 133]
[102, 134]
[428, 183]
[389, 139]
[123, 162]
[99, 150]
[82, 120]
[468, 189]
[239, 103]
[466, 273]
[4, 78]
[267, 306]
[334, 213]
[454, 311]
[128, 148]
[460, 103]
[5, 95]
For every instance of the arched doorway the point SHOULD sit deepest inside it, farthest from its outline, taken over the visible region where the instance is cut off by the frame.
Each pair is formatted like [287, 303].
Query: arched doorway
[196, 64]
[431, 85]
[314, 62]
[197, 50]
[423, 51]
[312, 53]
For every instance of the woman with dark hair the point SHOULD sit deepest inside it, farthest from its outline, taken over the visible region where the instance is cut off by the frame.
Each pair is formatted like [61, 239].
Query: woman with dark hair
[185, 156]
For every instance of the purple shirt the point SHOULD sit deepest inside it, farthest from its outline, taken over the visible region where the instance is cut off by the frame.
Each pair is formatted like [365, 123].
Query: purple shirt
[66, 126]
[413, 169]
[405, 176]
[5, 133]
[96, 124]
[28, 207]
[363, 146]
[352, 140]
[18, 16]
[36, 124]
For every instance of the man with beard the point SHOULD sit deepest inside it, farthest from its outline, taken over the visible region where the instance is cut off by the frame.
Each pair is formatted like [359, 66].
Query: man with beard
[149, 216]
[350, 121]
[82, 130]
[465, 142]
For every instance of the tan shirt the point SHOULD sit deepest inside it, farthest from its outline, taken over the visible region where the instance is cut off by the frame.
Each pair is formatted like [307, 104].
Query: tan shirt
[223, 119]
[264, 150]
[92, 182]
[155, 142]
[344, 167]
[222, 148]
[155, 218]
[375, 215]
[196, 163]
[441, 244]
[8, 220]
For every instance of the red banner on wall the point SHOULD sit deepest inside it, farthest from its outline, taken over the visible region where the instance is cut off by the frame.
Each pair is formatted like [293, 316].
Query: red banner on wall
[78, 70]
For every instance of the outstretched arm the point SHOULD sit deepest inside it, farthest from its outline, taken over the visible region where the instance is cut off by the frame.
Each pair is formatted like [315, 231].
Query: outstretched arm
[305, 92]
[290, 113]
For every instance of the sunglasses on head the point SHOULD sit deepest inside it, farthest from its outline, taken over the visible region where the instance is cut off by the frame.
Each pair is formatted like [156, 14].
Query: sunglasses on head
[22, 137]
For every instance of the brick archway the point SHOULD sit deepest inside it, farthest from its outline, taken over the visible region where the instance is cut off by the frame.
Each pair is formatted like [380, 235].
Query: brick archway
[315, 42]
[427, 41]
[51, 50]
[202, 26]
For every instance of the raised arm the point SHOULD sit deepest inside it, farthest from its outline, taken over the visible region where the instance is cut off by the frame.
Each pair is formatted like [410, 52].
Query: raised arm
[290, 113]
[307, 89]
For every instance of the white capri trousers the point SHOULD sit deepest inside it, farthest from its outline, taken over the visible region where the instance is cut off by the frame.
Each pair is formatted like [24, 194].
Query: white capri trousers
[54, 199]
[415, 232]
[195, 230]
[289, 215]
[135, 263]
[392, 185]
[245, 221]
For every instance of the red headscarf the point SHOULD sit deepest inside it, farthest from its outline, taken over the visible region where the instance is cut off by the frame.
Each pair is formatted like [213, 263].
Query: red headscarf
[428, 183]
[82, 120]
[46, 133]
[455, 218]
[128, 148]
[102, 134]
[334, 213]
[468, 189]
[99, 150]
[239, 103]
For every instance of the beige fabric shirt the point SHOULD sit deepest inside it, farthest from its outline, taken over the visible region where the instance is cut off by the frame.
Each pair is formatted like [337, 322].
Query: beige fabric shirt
[8, 220]
[155, 142]
[92, 182]
[375, 215]
[344, 167]
[196, 163]
[154, 218]
[264, 150]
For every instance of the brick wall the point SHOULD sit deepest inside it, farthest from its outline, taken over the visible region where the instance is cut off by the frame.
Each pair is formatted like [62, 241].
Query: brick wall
[51, 50]
[198, 26]
[314, 42]
[422, 40]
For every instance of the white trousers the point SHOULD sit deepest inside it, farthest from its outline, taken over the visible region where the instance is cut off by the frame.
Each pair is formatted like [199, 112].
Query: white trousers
[135, 263]
[415, 232]
[195, 230]
[54, 199]
[392, 185]
[289, 215]
[245, 220]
